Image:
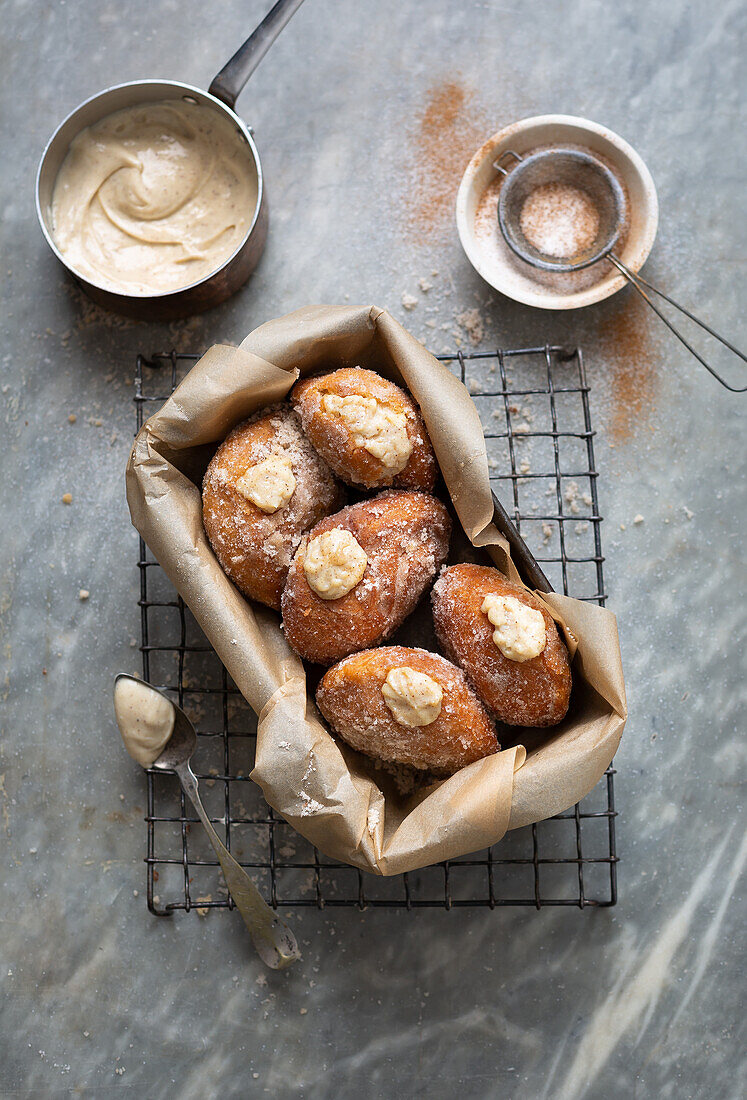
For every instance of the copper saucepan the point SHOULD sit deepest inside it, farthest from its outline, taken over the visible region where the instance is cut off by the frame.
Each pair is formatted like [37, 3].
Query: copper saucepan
[221, 96]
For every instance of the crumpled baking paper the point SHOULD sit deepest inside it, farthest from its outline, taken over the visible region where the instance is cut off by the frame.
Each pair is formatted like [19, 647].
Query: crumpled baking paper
[337, 798]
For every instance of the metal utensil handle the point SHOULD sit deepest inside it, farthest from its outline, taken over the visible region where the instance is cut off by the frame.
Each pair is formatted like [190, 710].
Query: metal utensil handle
[639, 283]
[229, 82]
[275, 943]
[521, 555]
[506, 153]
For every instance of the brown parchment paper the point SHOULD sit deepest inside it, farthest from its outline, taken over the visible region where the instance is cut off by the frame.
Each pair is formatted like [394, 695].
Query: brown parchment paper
[333, 796]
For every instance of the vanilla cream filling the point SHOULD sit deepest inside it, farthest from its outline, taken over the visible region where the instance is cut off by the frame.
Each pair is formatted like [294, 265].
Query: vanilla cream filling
[269, 484]
[413, 698]
[153, 198]
[519, 630]
[374, 427]
[334, 562]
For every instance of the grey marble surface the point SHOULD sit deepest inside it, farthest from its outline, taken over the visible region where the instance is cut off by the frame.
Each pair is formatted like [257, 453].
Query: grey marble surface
[642, 1000]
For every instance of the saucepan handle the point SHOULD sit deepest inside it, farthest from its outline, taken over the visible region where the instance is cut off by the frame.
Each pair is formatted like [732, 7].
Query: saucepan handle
[233, 76]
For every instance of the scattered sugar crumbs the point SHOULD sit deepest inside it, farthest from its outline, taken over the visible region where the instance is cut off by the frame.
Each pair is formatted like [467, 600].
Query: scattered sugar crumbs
[472, 322]
[570, 496]
[373, 819]
[201, 909]
[91, 314]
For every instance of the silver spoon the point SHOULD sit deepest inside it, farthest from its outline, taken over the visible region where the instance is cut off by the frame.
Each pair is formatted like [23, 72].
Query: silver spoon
[275, 943]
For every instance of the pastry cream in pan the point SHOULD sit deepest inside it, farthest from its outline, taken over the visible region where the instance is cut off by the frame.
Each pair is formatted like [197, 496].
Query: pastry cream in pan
[154, 197]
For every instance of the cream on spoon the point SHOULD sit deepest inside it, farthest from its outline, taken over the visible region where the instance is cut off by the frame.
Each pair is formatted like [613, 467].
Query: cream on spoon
[145, 719]
[158, 734]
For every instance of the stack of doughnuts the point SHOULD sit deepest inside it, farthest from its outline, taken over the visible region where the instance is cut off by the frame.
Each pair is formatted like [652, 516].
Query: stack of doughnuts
[346, 577]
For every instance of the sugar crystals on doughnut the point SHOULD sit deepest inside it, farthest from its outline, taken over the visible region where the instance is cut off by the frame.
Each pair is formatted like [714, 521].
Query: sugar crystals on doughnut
[405, 539]
[265, 486]
[353, 697]
[532, 686]
[368, 429]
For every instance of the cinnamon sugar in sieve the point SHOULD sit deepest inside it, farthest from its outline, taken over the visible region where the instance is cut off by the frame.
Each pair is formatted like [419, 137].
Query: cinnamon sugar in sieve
[559, 220]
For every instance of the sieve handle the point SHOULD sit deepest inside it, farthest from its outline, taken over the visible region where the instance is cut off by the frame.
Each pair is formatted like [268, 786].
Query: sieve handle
[506, 153]
[230, 81]
[639, 283]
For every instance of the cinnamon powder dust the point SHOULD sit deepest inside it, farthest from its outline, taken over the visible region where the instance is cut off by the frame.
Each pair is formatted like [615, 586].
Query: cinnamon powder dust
[627, 351]
[446, 134]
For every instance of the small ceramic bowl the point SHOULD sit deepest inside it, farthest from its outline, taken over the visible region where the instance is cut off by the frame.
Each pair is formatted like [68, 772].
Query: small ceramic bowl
[483, 242]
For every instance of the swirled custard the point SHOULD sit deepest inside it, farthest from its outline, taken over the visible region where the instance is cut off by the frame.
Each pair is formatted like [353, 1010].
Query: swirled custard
[153, 198]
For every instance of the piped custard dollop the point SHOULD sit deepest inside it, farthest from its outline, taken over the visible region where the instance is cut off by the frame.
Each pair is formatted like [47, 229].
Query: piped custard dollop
[153, 198]
[413, 698]
[519, 630]
[145, 719]
[269, 484]
[374, 427]
[334, 563]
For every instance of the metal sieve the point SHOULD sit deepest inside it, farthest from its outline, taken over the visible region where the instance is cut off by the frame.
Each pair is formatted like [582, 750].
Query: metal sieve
[579, 170]
[583, 171]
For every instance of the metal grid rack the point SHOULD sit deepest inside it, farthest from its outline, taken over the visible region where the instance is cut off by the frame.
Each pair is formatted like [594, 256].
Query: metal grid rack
[534, 408]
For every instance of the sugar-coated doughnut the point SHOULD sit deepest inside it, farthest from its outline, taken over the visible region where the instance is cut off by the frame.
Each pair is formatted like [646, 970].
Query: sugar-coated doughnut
[331, 606]
[265, 486]
[516, 662]
[367, 429]
[455, 729]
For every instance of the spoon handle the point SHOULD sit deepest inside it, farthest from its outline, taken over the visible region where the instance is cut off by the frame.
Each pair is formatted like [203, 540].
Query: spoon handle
[275, 943]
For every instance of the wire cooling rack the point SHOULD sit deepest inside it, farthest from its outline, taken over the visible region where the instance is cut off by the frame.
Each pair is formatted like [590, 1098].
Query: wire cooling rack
[534, 408]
